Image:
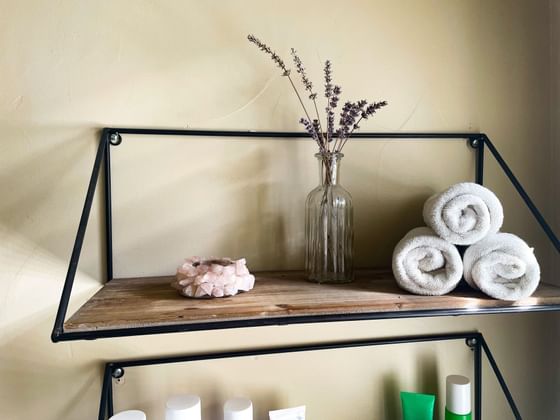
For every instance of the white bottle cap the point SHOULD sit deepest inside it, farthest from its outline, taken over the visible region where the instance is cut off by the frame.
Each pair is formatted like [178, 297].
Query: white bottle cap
[238, 409]
[183, 407]
[129, 415]
[458, 395]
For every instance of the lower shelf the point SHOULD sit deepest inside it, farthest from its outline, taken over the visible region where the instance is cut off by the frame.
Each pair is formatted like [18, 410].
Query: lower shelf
[134, 306]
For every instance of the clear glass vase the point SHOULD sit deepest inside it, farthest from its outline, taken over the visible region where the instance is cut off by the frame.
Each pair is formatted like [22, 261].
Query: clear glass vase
[329, 230]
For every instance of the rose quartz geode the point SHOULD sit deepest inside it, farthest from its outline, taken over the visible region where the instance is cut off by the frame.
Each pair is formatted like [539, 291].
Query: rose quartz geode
[213, 277]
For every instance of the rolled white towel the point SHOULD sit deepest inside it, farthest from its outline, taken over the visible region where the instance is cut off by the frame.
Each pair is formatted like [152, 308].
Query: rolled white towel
[503, 266]
[464, 213]
[425, 264]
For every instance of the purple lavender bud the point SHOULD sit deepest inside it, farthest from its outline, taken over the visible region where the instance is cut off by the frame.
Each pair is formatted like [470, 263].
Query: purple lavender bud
[316, 126]
[265, 48]
[301, 70]
[328, 79]
[310, 129]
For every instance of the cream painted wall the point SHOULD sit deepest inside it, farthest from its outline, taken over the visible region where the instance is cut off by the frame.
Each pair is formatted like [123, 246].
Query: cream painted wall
[69, 69]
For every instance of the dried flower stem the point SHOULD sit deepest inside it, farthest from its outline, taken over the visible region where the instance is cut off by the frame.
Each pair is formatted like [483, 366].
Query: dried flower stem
[304, 108]
[325, 141]
[328, 93]
[343, 142]
[309, 87]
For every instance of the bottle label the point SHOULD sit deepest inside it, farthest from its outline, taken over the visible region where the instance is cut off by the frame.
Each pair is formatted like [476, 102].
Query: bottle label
[452, 416]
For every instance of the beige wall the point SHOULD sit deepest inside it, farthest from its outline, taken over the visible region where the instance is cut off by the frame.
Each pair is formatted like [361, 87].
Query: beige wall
[69, 68]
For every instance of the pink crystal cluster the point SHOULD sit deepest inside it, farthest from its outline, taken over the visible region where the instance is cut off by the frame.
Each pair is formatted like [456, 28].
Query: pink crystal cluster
[213, 277]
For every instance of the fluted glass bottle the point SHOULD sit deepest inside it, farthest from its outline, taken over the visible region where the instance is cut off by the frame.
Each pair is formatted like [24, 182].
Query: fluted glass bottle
[329, 231]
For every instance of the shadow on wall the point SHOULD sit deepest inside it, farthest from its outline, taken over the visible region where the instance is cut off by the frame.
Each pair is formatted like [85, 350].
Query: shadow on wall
[391, 396]
[428, 377]
[206, 209]
[255, 210]
[38, 376]
[43, 191]
[427, 382]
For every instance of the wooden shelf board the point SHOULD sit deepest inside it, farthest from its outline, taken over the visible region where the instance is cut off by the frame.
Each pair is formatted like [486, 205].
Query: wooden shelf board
[150, 302]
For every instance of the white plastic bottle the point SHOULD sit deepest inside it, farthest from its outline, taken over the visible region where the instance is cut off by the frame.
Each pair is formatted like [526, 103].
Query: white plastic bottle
[238, 409]
[129, 415]
[183, 407]
[458, 398]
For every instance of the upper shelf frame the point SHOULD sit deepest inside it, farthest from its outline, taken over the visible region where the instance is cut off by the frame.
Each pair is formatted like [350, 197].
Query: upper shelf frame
[112, 136]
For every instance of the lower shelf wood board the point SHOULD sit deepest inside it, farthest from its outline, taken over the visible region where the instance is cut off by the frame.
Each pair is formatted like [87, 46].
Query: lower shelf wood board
[280, 298]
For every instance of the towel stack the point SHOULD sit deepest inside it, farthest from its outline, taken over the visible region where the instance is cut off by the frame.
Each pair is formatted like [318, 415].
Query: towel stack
[426, 261]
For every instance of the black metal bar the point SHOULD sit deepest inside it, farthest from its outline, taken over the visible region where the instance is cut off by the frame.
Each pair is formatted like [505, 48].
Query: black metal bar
[58, 328]
[480, 160]
[501, 379]
[536, 213]
[287, 134]
[293, 349]
[478, 378]
[110, 407]
[474, 339]
[262, 322]
[105, 390]
[108, 213]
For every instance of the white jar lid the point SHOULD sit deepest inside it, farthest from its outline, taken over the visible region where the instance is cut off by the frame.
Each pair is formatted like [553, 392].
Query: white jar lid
[238, 409]
[458, 395]
[129, 415]
[183, 407]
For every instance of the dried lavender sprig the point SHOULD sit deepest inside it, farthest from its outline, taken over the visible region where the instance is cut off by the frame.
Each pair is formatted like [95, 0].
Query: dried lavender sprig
[332, 104]
[372, 109]
[350, 117]
[309, 87]
[328, 94]
[350, 112]
[286, 72]
[311, 128]
[328, 78]
[275, 57]
[301, 70]
[367, 111]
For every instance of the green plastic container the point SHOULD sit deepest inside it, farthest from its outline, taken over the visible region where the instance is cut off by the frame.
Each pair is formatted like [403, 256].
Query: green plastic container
[417, 406]
[452, 416]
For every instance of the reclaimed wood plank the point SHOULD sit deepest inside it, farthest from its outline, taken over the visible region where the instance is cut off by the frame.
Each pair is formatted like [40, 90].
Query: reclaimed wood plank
[150, 301]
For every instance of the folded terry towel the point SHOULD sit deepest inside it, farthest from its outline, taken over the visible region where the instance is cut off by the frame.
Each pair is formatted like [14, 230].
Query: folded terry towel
[464, 213]
[425, 264]
[502, 266]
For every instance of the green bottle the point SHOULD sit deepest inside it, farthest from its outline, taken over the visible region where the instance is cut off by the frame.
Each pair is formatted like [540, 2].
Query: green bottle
[458, 398]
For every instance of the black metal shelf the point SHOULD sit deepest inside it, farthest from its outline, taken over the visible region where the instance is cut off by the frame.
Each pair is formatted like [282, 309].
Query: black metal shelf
[111, 137]
[114, 369]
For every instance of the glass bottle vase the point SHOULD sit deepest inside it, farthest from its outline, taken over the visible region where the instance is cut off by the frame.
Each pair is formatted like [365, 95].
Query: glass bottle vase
[329, 231]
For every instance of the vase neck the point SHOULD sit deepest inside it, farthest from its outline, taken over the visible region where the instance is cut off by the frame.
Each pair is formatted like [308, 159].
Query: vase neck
[329, 164]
